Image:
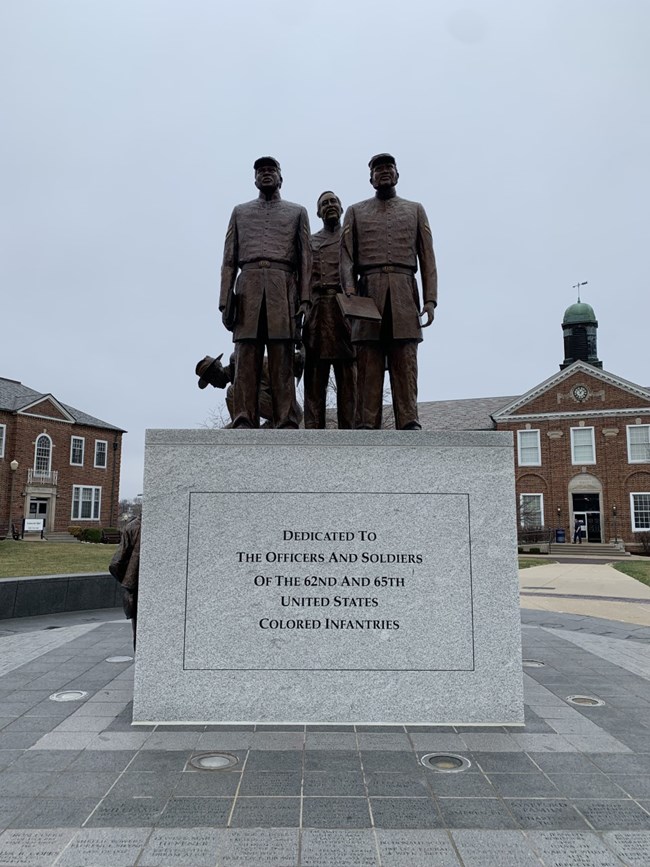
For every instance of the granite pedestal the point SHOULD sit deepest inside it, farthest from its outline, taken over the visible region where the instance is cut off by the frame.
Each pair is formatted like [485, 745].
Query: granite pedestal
[328, 576]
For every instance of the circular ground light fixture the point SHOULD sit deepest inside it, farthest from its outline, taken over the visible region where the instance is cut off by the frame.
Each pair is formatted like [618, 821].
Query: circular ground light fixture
[585, 700]
[213, 761]
[68, 695]
[119, 659]
[445, 763]
[533, 663]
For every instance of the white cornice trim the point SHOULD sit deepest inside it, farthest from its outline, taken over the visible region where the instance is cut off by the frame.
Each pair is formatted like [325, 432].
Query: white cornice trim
[67, 418]
[577, 367]
[589, 413]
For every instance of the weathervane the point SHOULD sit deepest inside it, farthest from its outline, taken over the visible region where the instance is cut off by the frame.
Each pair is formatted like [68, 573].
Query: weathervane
[577, 286]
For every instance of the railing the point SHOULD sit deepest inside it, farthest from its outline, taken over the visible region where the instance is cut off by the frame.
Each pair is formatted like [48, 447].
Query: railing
[42, 477]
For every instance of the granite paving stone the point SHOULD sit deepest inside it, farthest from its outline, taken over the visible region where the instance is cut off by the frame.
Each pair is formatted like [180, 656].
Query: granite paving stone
[389, 760]
[10, 807]
[158, 760]
[614, 815]
[495, 849]
[55, 813]
[241, 847]
[169, 847]
[475, 813]
[97, 761]
[505, 763]
[224, 740]
[540, 813]
[341, 848]
[572, 849]
[398, 785]
[523, 785]
[26, 783]
[57, 740]
[632, 847]
[146, 784]
[416, 848]
[275, 760]
[271, 783]
[37, 848]
[332, 760]
[460, 785]
[405, 813]
[207, 784]
[341, 812]
[104, 848]
[333, 783]
[330, 741]
[70, 784]
[590, 785]
[569, 763]
[115, 812]
[266, 813]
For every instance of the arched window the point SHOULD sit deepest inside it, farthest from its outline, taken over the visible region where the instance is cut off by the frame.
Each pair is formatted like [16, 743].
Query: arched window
[43, 456]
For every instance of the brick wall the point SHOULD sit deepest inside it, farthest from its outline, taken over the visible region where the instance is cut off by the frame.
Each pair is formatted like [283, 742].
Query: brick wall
[22, 432]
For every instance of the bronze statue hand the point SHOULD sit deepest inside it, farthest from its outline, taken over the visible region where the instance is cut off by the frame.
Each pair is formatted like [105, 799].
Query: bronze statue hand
[428, 310]
[350, 292]
[303, 310]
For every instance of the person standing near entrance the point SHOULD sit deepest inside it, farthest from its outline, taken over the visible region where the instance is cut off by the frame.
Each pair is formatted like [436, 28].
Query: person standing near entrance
[577, 531]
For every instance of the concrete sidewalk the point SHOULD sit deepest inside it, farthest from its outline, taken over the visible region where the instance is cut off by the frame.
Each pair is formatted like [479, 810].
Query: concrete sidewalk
[594, 590]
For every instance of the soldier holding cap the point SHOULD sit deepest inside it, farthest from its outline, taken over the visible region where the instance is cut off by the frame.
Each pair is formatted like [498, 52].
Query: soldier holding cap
[267, 265]
[327, 334]
[384, 238]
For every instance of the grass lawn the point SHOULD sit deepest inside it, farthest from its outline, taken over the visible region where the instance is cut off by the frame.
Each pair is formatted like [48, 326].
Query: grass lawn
[639, 569]
[50, 558]
[527, 562]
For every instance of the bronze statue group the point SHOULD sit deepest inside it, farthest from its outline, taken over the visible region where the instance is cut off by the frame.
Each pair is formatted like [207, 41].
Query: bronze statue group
[347, 295]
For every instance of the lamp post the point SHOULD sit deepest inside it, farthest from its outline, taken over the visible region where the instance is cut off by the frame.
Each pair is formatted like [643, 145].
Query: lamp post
[614, 519]
[13, 466]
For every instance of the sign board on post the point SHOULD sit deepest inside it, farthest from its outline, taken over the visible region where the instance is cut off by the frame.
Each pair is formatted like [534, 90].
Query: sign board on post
[329, 576]
[33, 525]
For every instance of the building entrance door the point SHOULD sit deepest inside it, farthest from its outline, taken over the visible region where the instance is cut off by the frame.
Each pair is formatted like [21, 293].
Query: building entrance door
[586, 507]
[38, 509]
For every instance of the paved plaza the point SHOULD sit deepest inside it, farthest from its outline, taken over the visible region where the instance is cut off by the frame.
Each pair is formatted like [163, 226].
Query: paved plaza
[80, 786]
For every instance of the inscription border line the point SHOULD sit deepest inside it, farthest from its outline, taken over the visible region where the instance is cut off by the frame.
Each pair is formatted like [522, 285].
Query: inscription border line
[348, 493]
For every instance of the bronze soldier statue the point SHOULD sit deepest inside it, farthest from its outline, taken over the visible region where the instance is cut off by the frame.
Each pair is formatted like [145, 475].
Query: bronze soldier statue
[212, 372]
[326, 334]
[267, 242]
[383, 240]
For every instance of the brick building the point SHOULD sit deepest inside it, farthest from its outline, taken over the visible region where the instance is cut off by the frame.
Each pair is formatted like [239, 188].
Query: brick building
[582, 443]
[68, 462]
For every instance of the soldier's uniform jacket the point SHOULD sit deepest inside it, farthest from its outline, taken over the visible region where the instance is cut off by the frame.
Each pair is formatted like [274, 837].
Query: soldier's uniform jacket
[326, 333]
[260, 232]
[380, 235]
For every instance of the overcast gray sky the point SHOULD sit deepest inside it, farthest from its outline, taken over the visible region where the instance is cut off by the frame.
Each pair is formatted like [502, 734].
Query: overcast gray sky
[129, 130]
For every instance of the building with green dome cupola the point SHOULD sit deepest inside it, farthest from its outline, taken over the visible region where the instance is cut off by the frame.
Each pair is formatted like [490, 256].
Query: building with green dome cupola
[579, 327]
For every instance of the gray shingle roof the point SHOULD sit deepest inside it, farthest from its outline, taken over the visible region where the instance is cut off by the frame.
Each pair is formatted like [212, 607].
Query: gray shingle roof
[14, 395]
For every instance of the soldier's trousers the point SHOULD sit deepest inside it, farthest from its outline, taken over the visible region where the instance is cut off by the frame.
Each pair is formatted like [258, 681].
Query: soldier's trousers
[316, 378]
[401, 358]
[249, 358]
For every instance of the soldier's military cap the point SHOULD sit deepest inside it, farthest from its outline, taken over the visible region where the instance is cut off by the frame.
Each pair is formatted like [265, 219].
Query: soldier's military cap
[380, 159]
[266, 161]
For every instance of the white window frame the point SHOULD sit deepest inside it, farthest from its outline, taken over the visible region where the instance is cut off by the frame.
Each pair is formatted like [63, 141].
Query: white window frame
[95, 502]
[105, 464]
[634, 494]
[83, 451]
[46, 472]
[521, 510]
[630, 459]
[3, 439]
[520, 437]
[574, 461]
